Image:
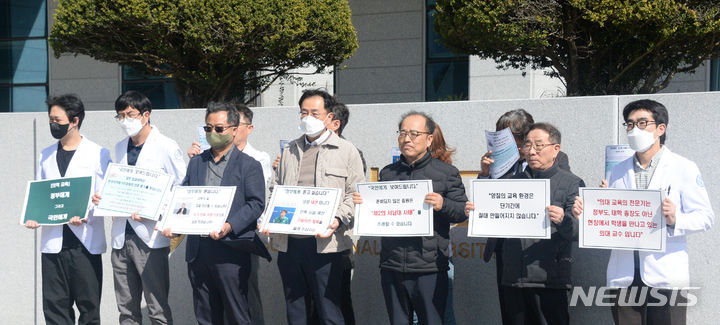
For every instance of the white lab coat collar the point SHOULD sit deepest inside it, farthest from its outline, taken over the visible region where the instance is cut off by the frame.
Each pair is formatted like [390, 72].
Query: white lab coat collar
[89, 160]
[159, 153]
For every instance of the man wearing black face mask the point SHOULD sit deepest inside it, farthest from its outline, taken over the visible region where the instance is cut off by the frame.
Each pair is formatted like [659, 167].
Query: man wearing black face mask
[71, 263]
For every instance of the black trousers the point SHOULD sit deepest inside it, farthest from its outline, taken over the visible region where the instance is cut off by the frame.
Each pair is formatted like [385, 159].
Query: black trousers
[304, 272]
[219, 278]
[535, 306]
[346, 295]
[71, 276]
[504, 315]
[644, 312]
[422, 293]
[346, 298]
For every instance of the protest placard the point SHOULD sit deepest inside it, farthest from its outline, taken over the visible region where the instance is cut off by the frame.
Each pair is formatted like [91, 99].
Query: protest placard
[129, 189]
[55, 201]
[394, 209]
[510, 208]
[622, 219]
[301, 210]
[198, 210]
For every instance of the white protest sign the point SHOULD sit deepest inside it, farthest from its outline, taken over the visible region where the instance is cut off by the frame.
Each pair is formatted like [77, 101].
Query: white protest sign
[622, 219]
[198, 210]
[129, 189]
[394, 209]
[301, 210]
[510, 208]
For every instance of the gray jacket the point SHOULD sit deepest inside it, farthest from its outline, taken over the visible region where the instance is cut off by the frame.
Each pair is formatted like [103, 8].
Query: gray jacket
[338, 166]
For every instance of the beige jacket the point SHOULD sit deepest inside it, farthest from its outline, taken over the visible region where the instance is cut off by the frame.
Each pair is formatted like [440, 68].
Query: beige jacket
[338, 166]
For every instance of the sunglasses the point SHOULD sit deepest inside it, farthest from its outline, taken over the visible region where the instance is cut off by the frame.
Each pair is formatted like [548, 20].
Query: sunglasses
[218, 129]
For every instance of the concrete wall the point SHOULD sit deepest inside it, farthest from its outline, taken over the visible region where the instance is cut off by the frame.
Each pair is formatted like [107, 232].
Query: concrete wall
[587, 125]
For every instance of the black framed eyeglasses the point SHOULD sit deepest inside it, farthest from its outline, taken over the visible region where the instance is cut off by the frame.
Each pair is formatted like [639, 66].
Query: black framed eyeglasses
[629, 125]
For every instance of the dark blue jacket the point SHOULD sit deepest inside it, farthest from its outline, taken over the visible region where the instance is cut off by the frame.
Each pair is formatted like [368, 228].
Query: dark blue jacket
[245, 173]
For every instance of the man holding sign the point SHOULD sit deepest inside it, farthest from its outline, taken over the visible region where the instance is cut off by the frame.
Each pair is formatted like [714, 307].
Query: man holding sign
[71, 262]
[313, 265]
[219, 264]
[686, 210]
[413, 270]
[140, 253]
[535, 273]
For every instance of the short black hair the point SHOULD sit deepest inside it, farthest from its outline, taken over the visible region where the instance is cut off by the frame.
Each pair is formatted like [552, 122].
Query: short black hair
[233, 117]
[71, 104]
[329, 99]
[659, 112]
[245, 111]
[554, 133]
[429, 123]
[518, 120]
[134, 99]
[342, 114]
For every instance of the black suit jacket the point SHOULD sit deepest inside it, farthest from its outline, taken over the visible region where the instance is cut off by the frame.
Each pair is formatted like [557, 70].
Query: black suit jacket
[245, 173]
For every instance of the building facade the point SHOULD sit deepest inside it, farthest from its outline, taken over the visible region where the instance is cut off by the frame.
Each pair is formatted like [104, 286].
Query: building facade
[399, 59]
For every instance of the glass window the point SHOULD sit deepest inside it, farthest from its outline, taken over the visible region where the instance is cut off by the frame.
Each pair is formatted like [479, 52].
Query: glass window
[161, 94]
[23, 18]
[5, 99]
[28, 18]
[446, 81]
[160, 90]
[29, 99]
[435, 50]
[23, 55]
[23, 61]
[715, 75]
[446, 72]
[131, 74]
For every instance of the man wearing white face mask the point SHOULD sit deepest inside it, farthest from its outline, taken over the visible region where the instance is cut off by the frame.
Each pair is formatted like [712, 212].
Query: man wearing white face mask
[686, 210]
[140, 253]
[313, 265]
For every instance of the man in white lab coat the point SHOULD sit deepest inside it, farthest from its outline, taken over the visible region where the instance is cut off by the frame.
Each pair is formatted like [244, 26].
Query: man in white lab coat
[71, 260]
[140, 253]
[686, 210]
